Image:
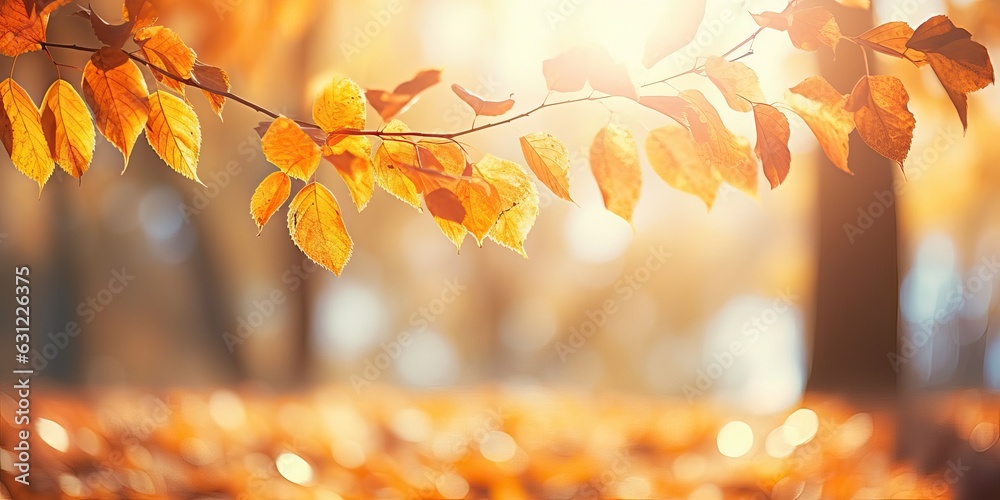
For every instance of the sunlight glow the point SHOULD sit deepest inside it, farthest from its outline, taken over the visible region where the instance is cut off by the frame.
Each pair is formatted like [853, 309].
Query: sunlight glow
[735, 439]
[53, 434]
[293, 468]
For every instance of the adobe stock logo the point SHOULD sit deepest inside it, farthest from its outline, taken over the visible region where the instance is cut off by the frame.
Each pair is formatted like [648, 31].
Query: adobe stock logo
[364, 34]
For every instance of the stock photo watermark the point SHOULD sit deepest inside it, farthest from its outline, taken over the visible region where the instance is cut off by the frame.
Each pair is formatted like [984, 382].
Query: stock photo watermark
[363, 35]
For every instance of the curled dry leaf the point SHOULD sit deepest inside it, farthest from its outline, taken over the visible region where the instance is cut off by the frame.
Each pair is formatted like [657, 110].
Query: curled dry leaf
[737, 82]
[481, 106]
[881, 116]
[614, 160]
[351, 156]
[812, 28]
[675, 28]
[890, 39]
[290, 149]
[548, 158]
[317, 228]
[822, 108]
[22, 29]
[174, 133]
[390, 104]
[68, 127]
[165, 50]
[569, 71]
[22, 134]
[727, 154]
[674, 157]
[215, 79]
[773, 133]
[339, 105]
[114, 88]
[269, 196]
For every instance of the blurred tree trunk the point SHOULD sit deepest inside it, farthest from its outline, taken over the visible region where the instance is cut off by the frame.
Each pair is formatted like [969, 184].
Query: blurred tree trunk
[857, 280]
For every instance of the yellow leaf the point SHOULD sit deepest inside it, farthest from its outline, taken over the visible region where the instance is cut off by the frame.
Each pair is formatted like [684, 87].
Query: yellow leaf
[822, 108]
[728, 155]
[614, 160]
[269, 196]
[674, 157]
[174, 133]
[773, 132]
[813, 28]
[548, 158]
[316, 227]
[340, 105]
[517, 199]
[351, 155]
[21, 30]
[289, 148]
[22, 134]
[215, 79]
[891, 39]
[737, 82]
[391, 156]
[881, 115]
[165, 50]
[69, 129]
[114, 88]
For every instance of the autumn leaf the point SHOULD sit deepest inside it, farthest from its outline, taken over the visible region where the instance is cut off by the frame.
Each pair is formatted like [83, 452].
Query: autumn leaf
[114, 88]
[737, 82]
[69, 129]
[112, 35]
[351, 156]
[517, 199]
[165, 50]
[812, 28]
[726, 154]
[674, 157]
[614, 160]
[481, 106]
[773, 20]
[340, 105]
[444, 204]
[215, 79]
[390, 104]
[548, 158]
[773, 132]
[442, 155]
[21, 29]
[290, 149]
[269, 196]
[569, 71]
[960, 64]
[672, 106]
[675, 28]
[140, 13]
[316, 227]
[881, 115]
[389, 158]
[822, 108]
[174, 133]
[22, 134]
[890, 39]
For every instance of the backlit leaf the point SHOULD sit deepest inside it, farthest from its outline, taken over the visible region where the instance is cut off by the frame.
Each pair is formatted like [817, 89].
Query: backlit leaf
[548, 158]
[569, 71]
[21, 130]
[351, 156]
[391, 156]
[674, 157]
[22, 29]
[317, 228]
[165, 50]
[728, 155]
[881, 116]
[215, 79]
[773, 132]
[481, 106]
[737, 82]
[813, 28]
[773, 20]
[517, 198]
[390, 104]
[112, 35]
[614, 160]
[69, 129]
[290, 149]
[822, 108]
[140, 13]
[174, 133]
[269, 196]
[114, 88]
[675, 28]
[891, 38]
[672, 106]
[339, 105]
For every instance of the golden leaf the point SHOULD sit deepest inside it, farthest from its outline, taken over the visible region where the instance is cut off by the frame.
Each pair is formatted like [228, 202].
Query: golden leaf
[674, 157]
[481, 106]
[269, 196]
[890, 39]
[339, 105]
[316, 227]
[290, 149]
[114, 88]
[773, 132]
[737, 82]
[822, 108]
[69, 129]
[174, 133]
[165, 50]
[813, 28]
[390, 104]
[21, 130]
[21, 29]
[881, 115]
[548, 158]
[675, 28]
[728, 155]
[215, 79]
[391, 156]
[351, 156]
[140, 13]
[614, 160]
[516, 197]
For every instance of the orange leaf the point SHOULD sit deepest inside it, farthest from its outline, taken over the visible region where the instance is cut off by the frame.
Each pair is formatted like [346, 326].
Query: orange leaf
[822, 108]
[672, 106]
[69, 129]
[481, 106]
[114, 88]
[165, 50]
[675, 28]
[269, 196]
[881, 115]
[812, 28]
[614, 160]
[772, 143]
[390, 158]
[290, 149]
[339, 106]
[22, 134]
[569, 71]
[960, 64]
[390, 104]
[174, 133]
[317, 228]
[140, 13]
[728, 155]
[737, 82]
[112, 35]
[674, 157]
[215, 79]
[548, 158]
[22, 29]
[444, 204]
[890, 39]
[517, 199]
[351, 156]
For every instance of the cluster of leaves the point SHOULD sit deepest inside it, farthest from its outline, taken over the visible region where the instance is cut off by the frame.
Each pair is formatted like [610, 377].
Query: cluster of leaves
[492, 197]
